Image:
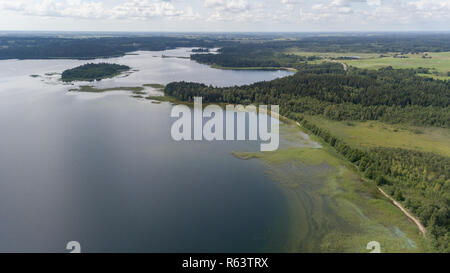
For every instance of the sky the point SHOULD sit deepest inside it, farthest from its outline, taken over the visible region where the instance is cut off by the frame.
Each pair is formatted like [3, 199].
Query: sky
[225, 15]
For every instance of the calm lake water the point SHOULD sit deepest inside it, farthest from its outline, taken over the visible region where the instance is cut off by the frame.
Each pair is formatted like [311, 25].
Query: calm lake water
[103, 170]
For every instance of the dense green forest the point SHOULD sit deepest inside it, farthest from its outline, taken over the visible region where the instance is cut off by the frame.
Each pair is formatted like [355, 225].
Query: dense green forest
[88, 48]
[380, 43]
[270, 53]
[251, 56]
[91, 72]
[264, 46]
[419, 180]
[389, 95]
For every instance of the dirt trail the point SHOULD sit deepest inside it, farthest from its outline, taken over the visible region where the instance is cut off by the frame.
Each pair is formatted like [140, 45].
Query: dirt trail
[410, 216]
[344, 65]
[398, 205]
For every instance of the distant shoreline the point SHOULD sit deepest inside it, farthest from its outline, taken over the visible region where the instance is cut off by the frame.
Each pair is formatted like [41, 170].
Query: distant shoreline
[290, 69]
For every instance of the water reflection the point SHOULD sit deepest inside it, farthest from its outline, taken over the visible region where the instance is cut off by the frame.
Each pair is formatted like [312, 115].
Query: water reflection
[103, 170]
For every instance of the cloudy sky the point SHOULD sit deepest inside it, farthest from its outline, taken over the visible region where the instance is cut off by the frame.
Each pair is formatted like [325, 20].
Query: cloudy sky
[225, 15]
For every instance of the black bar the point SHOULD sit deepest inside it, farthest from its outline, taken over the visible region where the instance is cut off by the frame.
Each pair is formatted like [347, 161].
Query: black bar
[226, 262]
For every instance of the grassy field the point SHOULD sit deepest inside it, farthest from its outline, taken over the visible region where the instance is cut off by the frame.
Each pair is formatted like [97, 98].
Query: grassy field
[299, 52]
[438, 62]
[330, 208]
[377, 134]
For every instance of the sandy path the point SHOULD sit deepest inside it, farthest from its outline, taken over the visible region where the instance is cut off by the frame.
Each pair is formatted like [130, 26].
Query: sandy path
[410, 216]
[398, 205]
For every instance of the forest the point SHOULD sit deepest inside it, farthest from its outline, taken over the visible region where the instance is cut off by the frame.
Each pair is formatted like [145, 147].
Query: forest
[91, 72]
[388, 95]
[265, 46]
[250, 56]
[270, 53]
[88, 48]
[419, 180]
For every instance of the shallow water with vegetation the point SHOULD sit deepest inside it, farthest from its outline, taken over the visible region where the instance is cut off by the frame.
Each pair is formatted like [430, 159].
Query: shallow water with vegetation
[329, 207]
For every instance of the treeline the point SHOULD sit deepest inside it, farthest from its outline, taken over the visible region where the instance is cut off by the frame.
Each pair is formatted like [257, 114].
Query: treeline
[378, 43]
[12, 47]
[200, 50]
[91, 72]
[251, 55]
[419, 180]
[412, 115]
[386, 86]
[269, 47]
[388, 95]
[269, 53]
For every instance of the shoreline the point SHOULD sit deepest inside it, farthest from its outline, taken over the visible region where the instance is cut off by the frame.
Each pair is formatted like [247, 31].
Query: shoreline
[323, 190]
[394, 202]
[290, 69]
[409, 215]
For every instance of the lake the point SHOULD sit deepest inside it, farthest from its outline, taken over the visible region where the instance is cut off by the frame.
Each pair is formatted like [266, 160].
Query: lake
[103, 170]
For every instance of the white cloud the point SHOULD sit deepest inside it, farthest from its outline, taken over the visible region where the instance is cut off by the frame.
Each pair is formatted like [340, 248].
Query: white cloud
[292, 2]
[51, 8]
[346, 14]
[12, 5]
[227, 5]
[431, 8]
[373, 2]
[232, 10]
[145, 9]
[129, 9]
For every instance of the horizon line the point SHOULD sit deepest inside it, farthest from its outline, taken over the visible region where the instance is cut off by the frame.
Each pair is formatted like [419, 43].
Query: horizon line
[231, 31]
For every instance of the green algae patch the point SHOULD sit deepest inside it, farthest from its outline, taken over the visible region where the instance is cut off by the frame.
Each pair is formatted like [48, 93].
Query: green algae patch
[329, 208]
[309, 156]
[371, 217]
[139, 93]
[162, 99]
[91, 89]
[155, 85]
